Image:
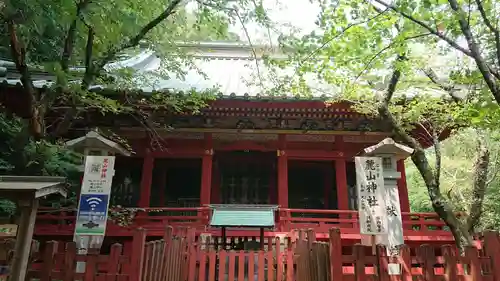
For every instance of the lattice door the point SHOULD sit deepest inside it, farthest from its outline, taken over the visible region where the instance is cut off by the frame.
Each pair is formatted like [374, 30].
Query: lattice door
[244, 183]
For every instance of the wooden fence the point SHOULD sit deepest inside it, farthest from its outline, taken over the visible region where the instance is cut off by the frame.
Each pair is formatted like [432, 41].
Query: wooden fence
[320, 261]
[274, 262]
[297, 257]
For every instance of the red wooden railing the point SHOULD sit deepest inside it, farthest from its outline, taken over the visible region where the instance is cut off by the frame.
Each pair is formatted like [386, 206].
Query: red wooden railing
[53, 222]
[297, 257]
[323, 220]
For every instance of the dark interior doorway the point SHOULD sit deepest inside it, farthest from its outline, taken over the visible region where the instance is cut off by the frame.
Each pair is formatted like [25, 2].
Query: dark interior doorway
[246, 177]
[176, 183]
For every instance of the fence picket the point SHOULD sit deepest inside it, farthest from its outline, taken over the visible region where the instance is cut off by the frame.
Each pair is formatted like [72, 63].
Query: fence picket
[70, 261]
[212, 259]
[472, 255]
[427, 259]
[222, 264]
[192, 263]
[383, 263]
[450, 263]
[261, 266]
[289, 260]
[203, 265]
[270, 265]
[49, 260]
[335, 255]
[91, 265]
[232, 265]
[241, 265]
[405, 261]
[279, 260]
[359, 262]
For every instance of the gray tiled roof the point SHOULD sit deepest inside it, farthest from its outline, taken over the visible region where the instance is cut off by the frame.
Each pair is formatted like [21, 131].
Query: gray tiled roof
[231, 67]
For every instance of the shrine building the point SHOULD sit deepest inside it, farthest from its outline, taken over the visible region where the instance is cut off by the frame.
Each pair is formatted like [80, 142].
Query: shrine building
[294, 154]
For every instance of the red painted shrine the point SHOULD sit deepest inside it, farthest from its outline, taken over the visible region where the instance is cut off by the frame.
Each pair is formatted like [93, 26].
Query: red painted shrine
[249, 152]
[290, 152]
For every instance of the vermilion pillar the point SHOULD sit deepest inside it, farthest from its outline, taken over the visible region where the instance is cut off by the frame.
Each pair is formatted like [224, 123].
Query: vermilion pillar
[404, 201]
[206, 171]
[341, 181]
[215, 194]
[146, 180]
[327, 186]
[282, 179]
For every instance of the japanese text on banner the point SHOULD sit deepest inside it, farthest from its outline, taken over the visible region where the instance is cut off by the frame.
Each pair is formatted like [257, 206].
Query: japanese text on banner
[99, 171]
[371, 195]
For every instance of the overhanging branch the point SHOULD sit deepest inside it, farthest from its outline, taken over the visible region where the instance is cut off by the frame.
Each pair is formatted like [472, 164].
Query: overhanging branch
[474, 50]
[69, 41]
[450, 89]
[490, 26]
[424, 25]
[134, 41]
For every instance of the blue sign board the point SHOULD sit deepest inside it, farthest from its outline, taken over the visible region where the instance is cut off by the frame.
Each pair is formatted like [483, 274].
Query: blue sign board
[92, 214]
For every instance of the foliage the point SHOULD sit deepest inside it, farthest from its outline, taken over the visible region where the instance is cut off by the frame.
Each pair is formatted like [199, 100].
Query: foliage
[21, 156]
[399, 61]
[78, 42]
[457, 178]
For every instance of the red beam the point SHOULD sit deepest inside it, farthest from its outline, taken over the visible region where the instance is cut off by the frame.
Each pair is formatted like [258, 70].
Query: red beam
[341, 106]
[180, 152]
[314, 155]
[246, 145]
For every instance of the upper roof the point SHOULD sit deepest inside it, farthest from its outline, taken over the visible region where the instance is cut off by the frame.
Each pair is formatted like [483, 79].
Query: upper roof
[235, 69]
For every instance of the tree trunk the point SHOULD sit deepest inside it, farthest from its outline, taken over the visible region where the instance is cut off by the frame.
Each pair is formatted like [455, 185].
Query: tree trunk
[439, 203]
[479, 184]
[18, 52]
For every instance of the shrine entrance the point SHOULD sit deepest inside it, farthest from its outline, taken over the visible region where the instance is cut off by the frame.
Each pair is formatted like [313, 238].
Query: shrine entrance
[247, 177]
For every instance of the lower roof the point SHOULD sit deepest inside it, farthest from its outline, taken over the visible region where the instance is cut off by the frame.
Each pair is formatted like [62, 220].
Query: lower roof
[27, 187]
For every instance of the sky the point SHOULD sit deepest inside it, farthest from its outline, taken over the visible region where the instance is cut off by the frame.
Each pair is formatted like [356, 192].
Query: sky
[300, 14]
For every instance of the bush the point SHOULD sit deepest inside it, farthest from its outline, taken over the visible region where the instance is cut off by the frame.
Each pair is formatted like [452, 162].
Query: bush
[20, 155]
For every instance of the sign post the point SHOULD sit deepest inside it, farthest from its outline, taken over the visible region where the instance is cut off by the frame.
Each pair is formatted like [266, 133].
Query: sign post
[371, 197]
[390, 152]
[93, 205]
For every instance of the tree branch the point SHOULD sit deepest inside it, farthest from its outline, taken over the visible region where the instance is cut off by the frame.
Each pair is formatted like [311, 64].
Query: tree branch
[427, 27]
[450, 89]
[134, 41]
[18, 53]
[493, 29]
[69, 42]
[349, 26]
[474, 50]
[73, 111]
[390, 45]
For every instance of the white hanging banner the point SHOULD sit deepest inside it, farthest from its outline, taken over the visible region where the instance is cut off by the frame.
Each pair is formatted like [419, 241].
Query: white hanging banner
[371, 195]
[394, 237]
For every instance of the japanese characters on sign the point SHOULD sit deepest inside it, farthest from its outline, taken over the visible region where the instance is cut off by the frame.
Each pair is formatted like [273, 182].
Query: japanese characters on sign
[394, 220]
[94, 197]
[371, 195]
[98, 174]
